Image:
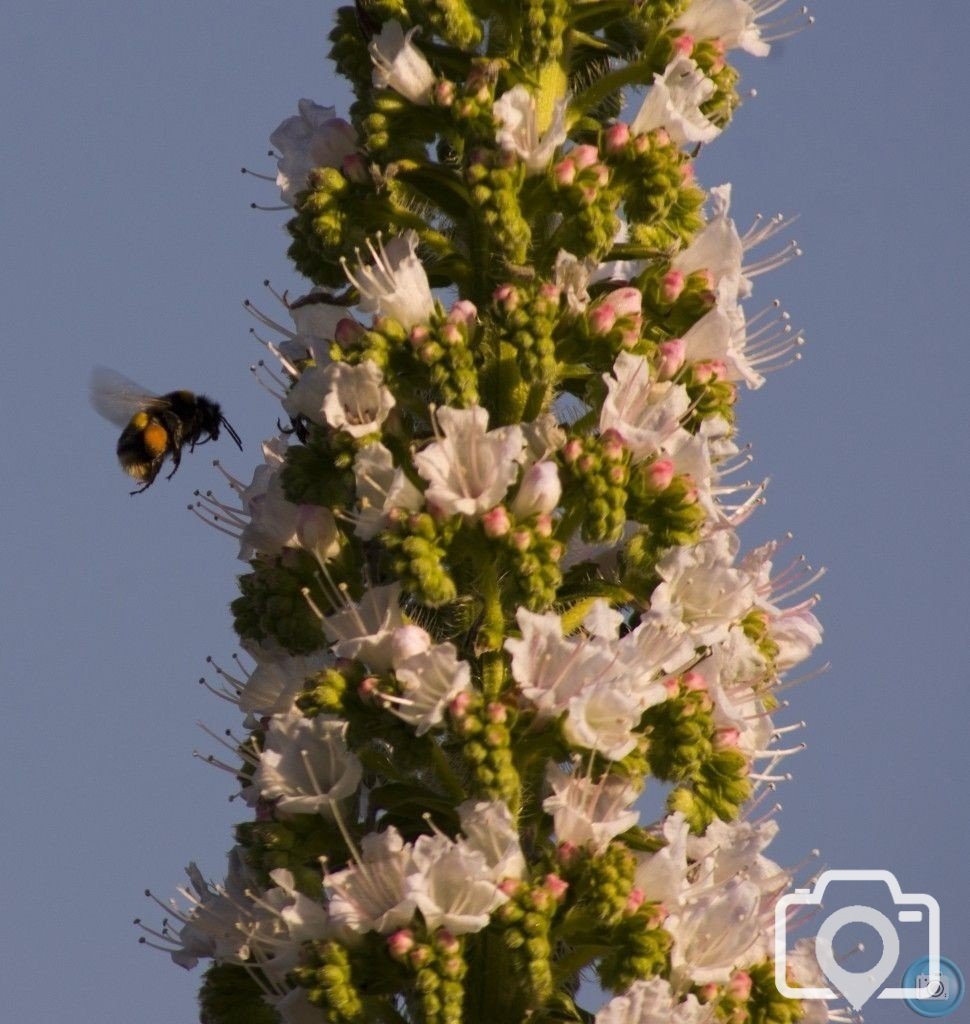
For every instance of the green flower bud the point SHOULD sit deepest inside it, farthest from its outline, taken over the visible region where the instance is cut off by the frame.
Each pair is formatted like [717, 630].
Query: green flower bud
[766, 1005]
[272, 603]
[596, 471]
[418, 548]
[638, 949]
[327, 976]
[718, 788]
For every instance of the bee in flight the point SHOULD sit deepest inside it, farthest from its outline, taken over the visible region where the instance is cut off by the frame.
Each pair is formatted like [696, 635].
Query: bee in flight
[155, 426]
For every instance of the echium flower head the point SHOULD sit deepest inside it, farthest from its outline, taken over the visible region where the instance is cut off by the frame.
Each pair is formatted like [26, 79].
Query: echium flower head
[519, 131]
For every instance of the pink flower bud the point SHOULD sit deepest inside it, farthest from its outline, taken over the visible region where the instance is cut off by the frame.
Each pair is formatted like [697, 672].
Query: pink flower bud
[694, 682]
[368, 688]
[419, 335]
[684, 44]
[672, 686]
[659, 474]
[496, 522]
[459, 705]
[672, 285]
[497, 713]
[507, 296]
[617, 136]
[611, 441]
[450, 334]
[641, 144]
[543, 525]
[444, 93]
[661, 137]
[521, 540]
[739, 987]
[584, 156]
[446, 941]
[572, 450]
[564, 172]
[707, 993]
[354, 167]
[539, 491]
[400, 943]
[672, 354]
[509, 886]
[347, 332]
[555, 885]
[419, 957]
[463, 312]
[727, 738]
[566, 853]
[687, 173]
[601, 319]
[634, 901]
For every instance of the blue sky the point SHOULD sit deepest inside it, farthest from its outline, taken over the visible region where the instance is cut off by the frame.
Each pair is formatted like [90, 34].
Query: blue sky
[128, 241]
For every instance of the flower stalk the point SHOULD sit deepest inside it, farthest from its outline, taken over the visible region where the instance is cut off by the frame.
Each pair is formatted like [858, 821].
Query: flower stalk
[494, 587]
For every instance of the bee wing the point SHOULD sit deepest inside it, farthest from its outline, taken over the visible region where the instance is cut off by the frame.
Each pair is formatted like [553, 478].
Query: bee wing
[116, 397]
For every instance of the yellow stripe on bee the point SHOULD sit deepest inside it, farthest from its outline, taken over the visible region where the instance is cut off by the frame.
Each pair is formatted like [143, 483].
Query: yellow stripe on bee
[139, 421]
[155, 438]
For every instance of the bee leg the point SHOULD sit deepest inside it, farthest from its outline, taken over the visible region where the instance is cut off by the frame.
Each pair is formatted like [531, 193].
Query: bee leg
[176, 462]
[153, 469]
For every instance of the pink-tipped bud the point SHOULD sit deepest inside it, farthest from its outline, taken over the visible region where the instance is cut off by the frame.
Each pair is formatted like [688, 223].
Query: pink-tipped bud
[572, 450]
[634, 901]
[601, 319]
[496, 522]
[444, 93]
[419, 335]
[659, 474]
[617, 137]
[400, 943]
[458, 707]
[566, 853]
[564, 172]
[354, 167]
[463, 312]
[684, 44]
[347, 332]
[497, 713]
[672, 686]
[707, 993]
[506, 296]
[451, 334]
[543, 525]
[727, 738]
[419, 957]
[611, 443]
[641, 144]
[739, 987]
[602, 175]
[672, 285]
[627, 301]
[694, 682]
[687, 173]
[446, 941]
[672, 355]
[584, 156]
[509, 886]
[521, 540]
[550, 291]
[661, 137]
[706, 371]
[555, 885]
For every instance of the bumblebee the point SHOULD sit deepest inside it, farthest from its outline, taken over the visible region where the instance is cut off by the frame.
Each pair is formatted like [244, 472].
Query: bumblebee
[155, 426]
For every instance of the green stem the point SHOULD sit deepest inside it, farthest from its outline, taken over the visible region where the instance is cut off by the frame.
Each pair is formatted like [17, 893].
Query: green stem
[446, 774]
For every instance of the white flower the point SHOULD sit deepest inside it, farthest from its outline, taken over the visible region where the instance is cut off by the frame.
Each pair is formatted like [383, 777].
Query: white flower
[702, 589]
[586, 812]
[305, 765]
[469, 469]
[489, 828]
[603, 717]
[277, 681]
[573, 276]
[717, 930]
[400, 65]
[652, 1002]
[720, 335]
[371, 895]
[662, 876]
[717, 247]
[518, 133]
[315, 137]
[366, 630]
[452, 885]
[429, 680]
[641, 412]
[674, 103]
[734, 850]
[356, 400]
[395, 284]
[272, 519]
[733, 22]
[380, 488]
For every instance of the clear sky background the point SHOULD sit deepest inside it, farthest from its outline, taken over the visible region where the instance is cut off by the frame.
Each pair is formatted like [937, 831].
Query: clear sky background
[127, 240]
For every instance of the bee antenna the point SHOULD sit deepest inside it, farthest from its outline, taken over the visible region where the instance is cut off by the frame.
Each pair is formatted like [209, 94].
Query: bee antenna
[230, 430]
